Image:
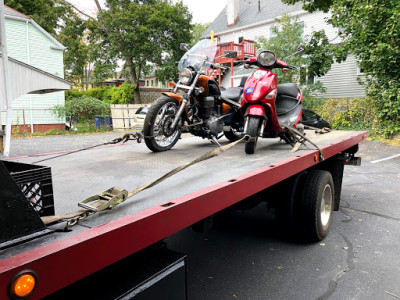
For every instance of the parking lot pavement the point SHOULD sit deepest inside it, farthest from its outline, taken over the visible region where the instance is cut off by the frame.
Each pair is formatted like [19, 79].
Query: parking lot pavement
[56, 143]
[246, 257]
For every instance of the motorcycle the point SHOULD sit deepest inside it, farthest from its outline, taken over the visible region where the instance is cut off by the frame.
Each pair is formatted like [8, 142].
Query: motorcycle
[270, 108]
[201, 110]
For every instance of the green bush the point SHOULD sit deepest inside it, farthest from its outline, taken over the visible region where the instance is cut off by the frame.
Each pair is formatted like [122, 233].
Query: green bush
[110, 94]
[349, 114]
[122, 94]
[83, 108]
[70, 94]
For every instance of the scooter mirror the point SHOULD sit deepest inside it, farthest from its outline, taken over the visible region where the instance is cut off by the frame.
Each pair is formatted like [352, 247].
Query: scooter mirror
[230, 53]
[246, 66]
[184, 46]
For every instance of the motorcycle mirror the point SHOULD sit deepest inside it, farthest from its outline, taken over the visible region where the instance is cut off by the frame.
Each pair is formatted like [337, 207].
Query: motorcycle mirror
[246, 66]
[184, 46]
[230, 53]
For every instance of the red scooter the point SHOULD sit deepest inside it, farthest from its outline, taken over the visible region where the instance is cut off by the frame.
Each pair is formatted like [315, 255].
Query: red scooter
[268, 107]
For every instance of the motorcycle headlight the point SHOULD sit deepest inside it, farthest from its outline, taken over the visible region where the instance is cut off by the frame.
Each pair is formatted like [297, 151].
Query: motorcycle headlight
[185, 76]
[266, 58]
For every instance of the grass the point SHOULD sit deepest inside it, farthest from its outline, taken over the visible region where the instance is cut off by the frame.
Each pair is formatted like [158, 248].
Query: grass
[79, 128]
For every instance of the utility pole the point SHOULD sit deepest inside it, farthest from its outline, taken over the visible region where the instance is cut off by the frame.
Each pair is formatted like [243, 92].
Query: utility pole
[7, 83]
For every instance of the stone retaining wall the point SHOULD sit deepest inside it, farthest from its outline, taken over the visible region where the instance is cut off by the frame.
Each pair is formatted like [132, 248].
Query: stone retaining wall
[149, 95]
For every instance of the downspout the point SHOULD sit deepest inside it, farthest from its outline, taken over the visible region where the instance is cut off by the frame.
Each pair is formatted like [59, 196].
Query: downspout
[7, 83]
[29, 62]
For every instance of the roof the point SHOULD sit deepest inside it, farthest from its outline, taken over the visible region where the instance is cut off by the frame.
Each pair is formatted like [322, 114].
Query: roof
[36, 81]
[14, 14]
[8, 11]
[249, 14]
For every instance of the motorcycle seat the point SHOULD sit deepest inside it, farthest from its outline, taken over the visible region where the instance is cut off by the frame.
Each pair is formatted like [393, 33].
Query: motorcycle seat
[234, 93]
[287, 89]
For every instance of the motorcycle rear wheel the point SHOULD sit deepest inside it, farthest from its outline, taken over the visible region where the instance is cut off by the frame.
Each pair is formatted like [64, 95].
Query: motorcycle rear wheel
[253, 130]
[157, 134]
[233, 135]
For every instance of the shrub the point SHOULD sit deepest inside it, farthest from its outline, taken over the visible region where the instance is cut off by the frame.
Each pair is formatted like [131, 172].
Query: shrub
[83, 108]
[122, 94]
[349, 114]
[111, 94]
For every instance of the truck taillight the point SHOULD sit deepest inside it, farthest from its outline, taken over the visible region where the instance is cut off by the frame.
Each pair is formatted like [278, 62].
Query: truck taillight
[23, 284]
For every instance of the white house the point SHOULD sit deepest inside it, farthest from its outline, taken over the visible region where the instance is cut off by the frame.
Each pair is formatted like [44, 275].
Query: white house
[250, 19]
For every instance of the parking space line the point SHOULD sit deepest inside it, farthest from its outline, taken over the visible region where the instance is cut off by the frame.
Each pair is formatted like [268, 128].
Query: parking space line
[383, 159]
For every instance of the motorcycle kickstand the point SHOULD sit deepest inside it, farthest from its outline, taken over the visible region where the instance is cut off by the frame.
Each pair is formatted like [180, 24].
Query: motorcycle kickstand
[214, 141]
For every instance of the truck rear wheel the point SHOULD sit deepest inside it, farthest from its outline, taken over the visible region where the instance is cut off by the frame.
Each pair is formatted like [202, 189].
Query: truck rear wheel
[316, 205]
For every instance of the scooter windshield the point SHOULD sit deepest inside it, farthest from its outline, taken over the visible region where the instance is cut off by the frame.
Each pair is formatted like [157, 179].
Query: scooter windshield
[200, 53]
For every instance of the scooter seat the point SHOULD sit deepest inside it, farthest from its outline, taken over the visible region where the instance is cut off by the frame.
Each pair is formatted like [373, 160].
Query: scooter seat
[232, 93]
[288, 89]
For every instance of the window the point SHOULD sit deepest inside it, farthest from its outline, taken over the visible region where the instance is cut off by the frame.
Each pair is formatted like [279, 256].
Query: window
[301, 25]
[152, 82]
[240, 39]
[305, 75]
[273, 31]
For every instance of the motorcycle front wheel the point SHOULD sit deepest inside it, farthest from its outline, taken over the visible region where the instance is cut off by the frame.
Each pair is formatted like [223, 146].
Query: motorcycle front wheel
[157, 131]
[252, 130]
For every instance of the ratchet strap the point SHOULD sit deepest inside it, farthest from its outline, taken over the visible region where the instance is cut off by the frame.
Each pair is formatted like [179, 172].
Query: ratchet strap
[318, 130]
[304, 137]
[115, 196]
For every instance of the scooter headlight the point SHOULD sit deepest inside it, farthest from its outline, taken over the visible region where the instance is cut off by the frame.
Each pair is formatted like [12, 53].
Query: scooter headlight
[185, 76]
[266, 58]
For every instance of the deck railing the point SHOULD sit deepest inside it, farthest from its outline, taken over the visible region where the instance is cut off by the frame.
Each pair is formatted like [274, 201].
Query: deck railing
[244, 50]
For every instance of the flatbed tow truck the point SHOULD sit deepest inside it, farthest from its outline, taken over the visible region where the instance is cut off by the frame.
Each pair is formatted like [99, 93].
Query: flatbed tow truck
[118, 253]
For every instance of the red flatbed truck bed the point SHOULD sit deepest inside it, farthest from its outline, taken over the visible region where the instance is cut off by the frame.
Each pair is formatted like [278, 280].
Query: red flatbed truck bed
[62, 258]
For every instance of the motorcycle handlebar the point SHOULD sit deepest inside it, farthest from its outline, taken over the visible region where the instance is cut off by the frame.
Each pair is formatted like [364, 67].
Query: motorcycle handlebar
[216, 66]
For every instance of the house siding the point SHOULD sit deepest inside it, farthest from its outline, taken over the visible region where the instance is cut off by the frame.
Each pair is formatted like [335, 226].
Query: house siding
[37, 51]
[340, 81]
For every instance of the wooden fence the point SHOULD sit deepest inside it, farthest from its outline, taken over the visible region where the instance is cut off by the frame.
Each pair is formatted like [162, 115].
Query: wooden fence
[123, 116]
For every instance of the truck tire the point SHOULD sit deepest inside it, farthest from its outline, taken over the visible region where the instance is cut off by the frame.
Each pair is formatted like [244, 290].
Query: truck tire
[316, 205]
[253, 129]
[156, 131]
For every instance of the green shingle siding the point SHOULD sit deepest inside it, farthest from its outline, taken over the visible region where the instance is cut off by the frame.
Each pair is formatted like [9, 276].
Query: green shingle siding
[41, 56]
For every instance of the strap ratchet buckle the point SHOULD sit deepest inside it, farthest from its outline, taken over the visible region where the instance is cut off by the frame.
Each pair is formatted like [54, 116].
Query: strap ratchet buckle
[105, 200]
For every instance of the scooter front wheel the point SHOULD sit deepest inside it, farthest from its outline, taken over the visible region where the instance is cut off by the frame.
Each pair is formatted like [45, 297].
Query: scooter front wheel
[252, 130]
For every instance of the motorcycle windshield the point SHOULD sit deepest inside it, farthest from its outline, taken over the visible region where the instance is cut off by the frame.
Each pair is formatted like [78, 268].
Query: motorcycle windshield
[202, 52]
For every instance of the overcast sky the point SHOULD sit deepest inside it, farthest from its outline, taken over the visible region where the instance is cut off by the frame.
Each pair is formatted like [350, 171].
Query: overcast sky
[203, 11]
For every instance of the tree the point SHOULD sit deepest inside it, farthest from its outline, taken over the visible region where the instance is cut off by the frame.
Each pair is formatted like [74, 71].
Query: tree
[371, 32]
[288, 37]
[84, 62]
[46, 13]
[143, 31]
[197, 32]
